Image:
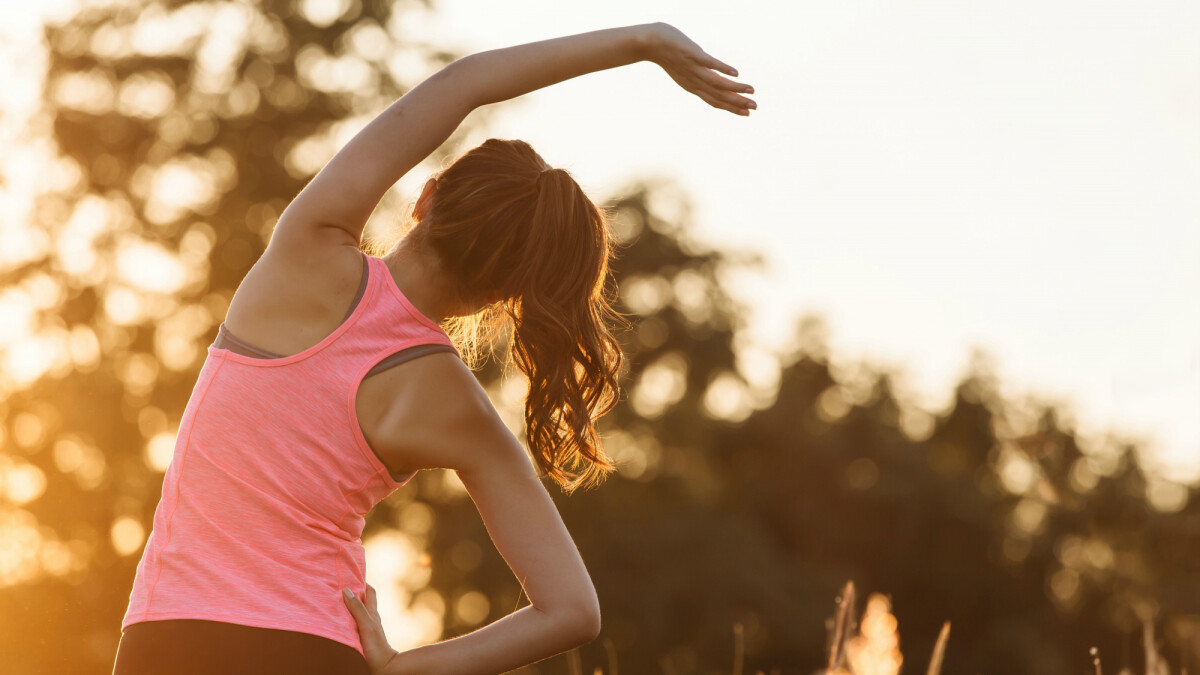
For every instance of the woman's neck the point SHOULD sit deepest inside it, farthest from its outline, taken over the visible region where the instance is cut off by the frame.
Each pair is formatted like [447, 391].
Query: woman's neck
[419, 276]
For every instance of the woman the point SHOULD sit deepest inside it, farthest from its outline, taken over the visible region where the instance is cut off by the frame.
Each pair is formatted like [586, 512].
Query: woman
[332, 382]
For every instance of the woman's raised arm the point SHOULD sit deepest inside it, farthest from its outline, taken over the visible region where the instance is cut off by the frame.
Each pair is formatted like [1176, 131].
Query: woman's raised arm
[340, 199]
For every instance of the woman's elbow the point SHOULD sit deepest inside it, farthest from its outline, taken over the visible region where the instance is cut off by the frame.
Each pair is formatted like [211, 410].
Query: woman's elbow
[575, 624]
[586, 625]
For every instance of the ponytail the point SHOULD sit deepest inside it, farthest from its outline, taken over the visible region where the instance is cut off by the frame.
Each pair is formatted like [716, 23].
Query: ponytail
[504, 223]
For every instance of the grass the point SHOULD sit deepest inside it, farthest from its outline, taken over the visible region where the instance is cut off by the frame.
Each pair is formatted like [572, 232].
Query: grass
[875, 648]
[872, 646]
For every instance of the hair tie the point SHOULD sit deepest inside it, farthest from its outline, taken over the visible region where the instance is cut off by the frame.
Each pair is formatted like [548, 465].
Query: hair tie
[543, 172]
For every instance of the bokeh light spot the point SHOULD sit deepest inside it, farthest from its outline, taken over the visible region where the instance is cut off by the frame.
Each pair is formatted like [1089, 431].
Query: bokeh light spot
[1166, 496]
[24, 483]
[726, 398]
[415, 518]
[127, 535]
[832, 404]
[159, 450]
[862, 473]
[472, 607]
[28, 429]
[646, 294]
[20, 541]
[323, 13]
[149, 267]
[662, 384]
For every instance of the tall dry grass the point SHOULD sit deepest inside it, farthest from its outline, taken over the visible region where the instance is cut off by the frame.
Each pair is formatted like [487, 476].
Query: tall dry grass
[872, 646]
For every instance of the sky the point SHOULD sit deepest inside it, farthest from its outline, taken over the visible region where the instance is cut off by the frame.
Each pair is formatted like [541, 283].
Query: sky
[928, 176]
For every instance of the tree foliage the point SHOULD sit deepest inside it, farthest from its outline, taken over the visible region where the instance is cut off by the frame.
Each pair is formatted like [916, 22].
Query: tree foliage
[737, 506]
[180, 131]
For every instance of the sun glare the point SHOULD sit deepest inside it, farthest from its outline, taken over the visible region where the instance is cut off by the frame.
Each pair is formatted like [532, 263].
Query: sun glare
[27, 360]
[176, 187]
[150, 267]
[391, 557]
[876, 650]
[16, 316]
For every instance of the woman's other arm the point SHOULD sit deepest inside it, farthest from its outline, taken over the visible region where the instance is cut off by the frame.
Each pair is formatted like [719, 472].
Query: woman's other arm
[340, 199]
[460, 430]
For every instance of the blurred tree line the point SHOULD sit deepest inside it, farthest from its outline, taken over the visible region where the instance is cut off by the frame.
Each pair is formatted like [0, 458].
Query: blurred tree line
[180, 132]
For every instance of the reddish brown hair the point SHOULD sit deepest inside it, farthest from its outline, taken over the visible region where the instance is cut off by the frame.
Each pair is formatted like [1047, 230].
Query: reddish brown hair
[508, 227]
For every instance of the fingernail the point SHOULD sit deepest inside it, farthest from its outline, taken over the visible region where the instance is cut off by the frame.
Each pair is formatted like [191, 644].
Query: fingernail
[346, 592]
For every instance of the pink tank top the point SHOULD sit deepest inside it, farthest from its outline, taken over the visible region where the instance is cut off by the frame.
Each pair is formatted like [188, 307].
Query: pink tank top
[263, 503]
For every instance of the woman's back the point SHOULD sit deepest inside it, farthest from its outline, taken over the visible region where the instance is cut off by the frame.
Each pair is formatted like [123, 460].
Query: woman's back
[263, 503]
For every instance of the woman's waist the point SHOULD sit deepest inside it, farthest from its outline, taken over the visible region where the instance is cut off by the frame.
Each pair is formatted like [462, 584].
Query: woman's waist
[275, 559]
[208, 646]
[209, 502]
[275, 594]
[229, 633]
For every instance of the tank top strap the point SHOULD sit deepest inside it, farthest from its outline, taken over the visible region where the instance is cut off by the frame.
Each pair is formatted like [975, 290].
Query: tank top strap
[383, 276]
[389, 319]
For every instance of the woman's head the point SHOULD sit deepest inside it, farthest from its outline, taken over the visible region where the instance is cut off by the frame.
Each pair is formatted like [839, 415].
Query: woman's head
[521, 239]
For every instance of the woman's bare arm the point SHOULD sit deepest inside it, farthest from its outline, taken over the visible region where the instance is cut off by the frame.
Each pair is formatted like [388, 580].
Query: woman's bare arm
[461, 431]
[334, 207]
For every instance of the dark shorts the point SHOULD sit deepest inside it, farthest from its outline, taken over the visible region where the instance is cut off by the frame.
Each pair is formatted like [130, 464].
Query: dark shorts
[199, 647]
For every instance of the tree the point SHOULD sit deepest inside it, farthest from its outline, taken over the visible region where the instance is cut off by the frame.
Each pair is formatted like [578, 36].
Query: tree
[180, 132]
[733, 506]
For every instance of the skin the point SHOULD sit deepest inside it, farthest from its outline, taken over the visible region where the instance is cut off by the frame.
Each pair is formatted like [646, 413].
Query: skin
[431, 412]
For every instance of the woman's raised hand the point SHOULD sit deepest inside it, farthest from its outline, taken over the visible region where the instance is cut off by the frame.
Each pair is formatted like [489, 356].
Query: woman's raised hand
[370, 630]
[692, 68]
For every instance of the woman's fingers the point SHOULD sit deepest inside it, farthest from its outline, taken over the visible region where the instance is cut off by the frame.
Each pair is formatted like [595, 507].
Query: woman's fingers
[717, 103]
[372, 600]
[724, 99]
[724, 90]
[699, 72]
[376, 649]
[357, 609]
[696, 75]
[370, 629]
[722, 84]
[711, 62]
[739, 101]
[718, 82]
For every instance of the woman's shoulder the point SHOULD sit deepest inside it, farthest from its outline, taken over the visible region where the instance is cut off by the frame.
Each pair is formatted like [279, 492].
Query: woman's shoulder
[287, 303]
[437, 413]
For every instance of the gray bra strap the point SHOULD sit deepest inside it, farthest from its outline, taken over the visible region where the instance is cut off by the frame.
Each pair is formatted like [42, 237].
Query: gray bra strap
[227, 340]
[408, 355]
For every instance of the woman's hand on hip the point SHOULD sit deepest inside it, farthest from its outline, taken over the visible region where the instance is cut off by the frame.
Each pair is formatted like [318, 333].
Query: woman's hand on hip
[692, 68]
[370, 630]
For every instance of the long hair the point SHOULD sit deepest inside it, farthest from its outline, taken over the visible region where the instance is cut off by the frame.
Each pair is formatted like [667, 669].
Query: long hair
[507, 227]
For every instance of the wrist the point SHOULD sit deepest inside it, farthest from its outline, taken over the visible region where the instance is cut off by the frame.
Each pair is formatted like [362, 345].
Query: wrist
[408, 662]
[392, 665]
[645, 40]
